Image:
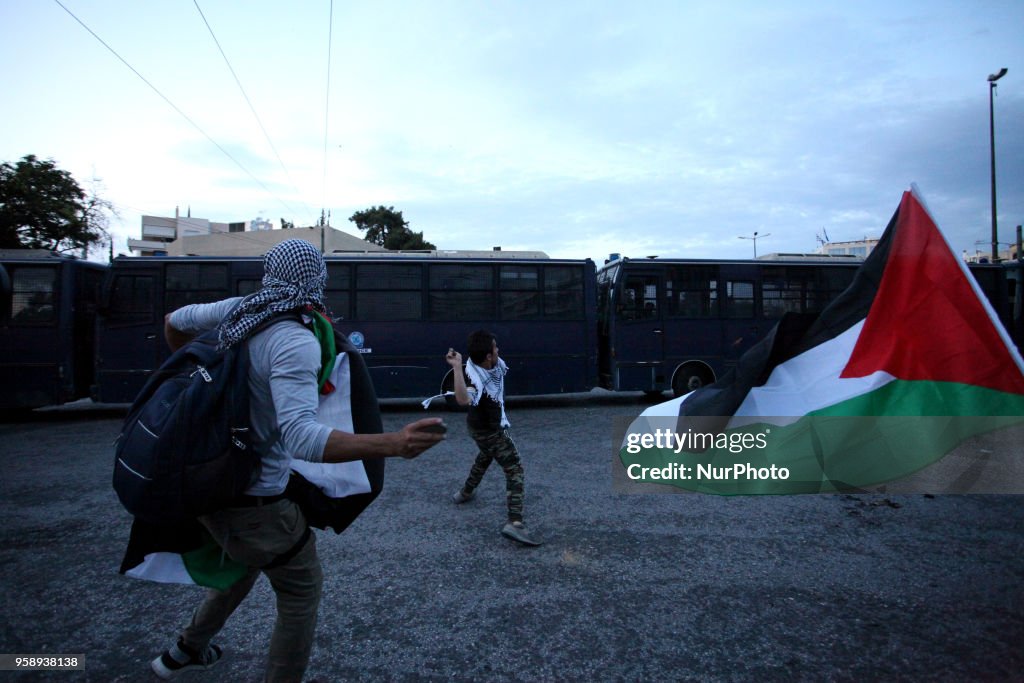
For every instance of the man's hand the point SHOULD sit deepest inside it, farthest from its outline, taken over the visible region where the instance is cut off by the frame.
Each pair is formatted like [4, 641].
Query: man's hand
[454, 359]
[414, 438]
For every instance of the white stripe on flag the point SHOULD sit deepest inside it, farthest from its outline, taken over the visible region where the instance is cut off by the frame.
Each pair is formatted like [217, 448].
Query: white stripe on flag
[809, 382]
[162, 568]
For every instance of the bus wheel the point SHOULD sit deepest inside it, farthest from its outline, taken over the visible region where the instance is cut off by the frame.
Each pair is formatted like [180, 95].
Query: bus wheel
[690, 377]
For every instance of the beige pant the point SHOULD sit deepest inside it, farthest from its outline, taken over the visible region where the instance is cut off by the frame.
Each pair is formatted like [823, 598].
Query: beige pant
[255, 536]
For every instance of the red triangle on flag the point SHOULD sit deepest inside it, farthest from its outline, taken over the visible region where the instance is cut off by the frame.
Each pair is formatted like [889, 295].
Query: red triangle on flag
[926, 321]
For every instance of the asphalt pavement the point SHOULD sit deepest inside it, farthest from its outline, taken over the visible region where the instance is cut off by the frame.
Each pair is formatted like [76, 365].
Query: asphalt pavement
[627, 587]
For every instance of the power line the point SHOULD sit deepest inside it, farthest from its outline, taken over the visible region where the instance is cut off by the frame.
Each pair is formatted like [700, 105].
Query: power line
[249, 102]
[173, 106]
[327, 105]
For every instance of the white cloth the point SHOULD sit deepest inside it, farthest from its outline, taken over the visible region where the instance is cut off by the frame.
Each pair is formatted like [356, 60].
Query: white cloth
[336, 479]
[426, 402]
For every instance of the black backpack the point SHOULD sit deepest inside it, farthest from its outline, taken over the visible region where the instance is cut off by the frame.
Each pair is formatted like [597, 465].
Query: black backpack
[185, 448]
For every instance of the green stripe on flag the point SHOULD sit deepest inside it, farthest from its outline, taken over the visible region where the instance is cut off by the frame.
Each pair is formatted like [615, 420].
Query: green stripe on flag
[901, 397]
[210, 566]
[856, 444]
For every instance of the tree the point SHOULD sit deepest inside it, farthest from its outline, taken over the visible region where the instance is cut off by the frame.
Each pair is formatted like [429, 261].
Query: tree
[409, 240]
[387, 228]
[286, 225]
[43, 207]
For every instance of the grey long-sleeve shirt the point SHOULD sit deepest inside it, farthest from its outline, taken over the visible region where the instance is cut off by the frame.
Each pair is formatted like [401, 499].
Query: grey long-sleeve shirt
[284, 361]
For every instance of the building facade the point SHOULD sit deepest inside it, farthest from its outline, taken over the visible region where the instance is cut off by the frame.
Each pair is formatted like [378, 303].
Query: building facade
[858, 248]
[190, 236]
[159, 232]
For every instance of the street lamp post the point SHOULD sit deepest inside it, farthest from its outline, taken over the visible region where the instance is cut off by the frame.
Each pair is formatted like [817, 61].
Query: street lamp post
[755, 240]
[992, 144]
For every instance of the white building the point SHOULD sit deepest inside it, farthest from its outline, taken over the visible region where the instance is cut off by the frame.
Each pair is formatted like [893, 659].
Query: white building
[190, 236]
[159, 232]
[258, 242]
[858, 248]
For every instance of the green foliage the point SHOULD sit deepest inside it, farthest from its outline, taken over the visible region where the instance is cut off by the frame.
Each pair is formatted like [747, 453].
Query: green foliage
[43, 207]
[286, 225]
[387, 228]
[409, 240]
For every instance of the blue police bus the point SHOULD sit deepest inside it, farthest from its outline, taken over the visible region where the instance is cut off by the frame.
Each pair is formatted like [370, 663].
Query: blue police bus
[47, 327]
[678, 324]
[634, 325]
[403, 311]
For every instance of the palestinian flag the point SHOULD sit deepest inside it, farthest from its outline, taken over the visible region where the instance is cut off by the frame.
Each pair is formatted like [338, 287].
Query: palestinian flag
[331, 495]
[902, 367]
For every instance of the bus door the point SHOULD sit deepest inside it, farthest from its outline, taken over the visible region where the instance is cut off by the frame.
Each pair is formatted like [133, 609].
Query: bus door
[88, 280]
[130, 342]
[638, 344]
[741, 326]
[34, 339]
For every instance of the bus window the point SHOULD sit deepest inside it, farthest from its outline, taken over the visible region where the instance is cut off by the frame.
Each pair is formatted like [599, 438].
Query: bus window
[194, 283]
[563, 292]
[389, 291]
[782, 291]
[520, 292]
[987, 281]
[691, 292]
[337, 296]
[461, 292]
[639, 297]
[32, 295]
[131, 299]
[739, 299]
[247, 287]
[829, 283]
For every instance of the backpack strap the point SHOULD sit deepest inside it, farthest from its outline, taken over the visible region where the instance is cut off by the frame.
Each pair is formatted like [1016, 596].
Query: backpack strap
[286, 557]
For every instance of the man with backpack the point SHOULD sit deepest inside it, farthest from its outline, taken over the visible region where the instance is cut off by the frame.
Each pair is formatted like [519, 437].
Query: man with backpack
[262, 528]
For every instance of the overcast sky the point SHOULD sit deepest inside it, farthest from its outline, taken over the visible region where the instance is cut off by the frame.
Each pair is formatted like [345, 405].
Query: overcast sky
[575, 128]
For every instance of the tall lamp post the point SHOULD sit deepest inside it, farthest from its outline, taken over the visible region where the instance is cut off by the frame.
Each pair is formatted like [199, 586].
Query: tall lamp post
[755, 240]
[992, 143]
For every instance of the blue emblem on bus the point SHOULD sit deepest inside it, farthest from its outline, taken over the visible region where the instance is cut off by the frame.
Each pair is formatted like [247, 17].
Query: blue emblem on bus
[357, 339]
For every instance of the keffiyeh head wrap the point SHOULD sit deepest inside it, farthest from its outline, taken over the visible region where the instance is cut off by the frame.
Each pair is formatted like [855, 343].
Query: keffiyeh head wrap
[294, 276]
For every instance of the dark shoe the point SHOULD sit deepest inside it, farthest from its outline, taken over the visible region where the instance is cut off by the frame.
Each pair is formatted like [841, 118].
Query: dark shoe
[180, 658]
[461, 496]
[517, 532]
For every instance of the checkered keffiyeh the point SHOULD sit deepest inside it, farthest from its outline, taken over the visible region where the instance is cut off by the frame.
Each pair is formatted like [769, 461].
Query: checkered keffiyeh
[294, 276]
